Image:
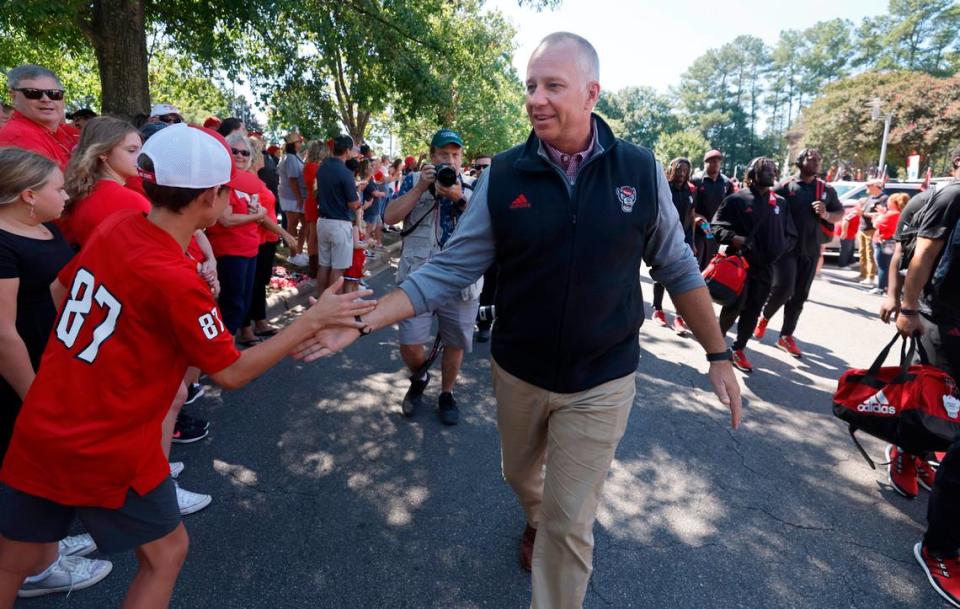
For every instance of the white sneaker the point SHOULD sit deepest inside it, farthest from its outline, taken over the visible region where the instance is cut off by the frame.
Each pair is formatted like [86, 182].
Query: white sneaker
[299, 260]
[190, 502]
[176, 468]
[67, 574]
[867, 282]
[875, 291]
[77, 545]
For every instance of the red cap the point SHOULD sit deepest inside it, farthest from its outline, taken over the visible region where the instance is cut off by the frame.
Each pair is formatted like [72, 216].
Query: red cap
[378, 177]
[712, 154]
[409, 161]
[212, 123]
[272, 148]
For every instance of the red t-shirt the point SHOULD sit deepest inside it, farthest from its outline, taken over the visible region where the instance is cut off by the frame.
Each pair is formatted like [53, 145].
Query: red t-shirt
[106, 199]
[136, 316]
[886, 224]
[310, 211]
[359, 259]
[58, 146]
[242, 240]
[269, 202]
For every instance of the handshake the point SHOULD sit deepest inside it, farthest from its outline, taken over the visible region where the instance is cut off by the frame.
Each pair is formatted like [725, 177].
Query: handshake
[335, 321]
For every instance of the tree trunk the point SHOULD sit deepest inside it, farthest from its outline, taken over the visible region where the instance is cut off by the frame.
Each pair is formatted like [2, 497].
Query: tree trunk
[117, 31]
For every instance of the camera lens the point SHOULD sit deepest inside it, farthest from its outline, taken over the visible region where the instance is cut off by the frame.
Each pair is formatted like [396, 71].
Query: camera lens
[446, 175]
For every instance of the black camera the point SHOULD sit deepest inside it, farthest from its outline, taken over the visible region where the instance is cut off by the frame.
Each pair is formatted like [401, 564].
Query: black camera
[487, 313]
[446, 174]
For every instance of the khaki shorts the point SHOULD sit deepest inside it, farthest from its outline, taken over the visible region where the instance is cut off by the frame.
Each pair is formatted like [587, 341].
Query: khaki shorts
[334, 244]
[456, 318]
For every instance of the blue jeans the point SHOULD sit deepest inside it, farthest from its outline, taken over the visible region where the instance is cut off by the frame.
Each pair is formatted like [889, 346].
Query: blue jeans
[883, 265]
[846, 252]
[236, 275]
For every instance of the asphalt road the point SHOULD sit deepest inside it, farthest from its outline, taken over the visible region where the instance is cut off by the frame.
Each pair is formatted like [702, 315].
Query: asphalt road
[325, 497]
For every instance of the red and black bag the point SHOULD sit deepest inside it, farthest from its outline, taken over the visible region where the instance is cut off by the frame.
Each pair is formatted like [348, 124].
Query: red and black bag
[913, 406]
[725, 276]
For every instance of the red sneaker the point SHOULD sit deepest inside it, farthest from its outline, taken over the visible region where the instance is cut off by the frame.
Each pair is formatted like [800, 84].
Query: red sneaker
[942, 573]
[925, 474]
[902, 472]
[680, 326]
[789, 345]
[740, 361]
[761, 328]
[659, 317]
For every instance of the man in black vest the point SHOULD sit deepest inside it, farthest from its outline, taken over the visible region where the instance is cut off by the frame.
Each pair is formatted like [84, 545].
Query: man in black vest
[567, 217]
[814, 208]
[712, 187]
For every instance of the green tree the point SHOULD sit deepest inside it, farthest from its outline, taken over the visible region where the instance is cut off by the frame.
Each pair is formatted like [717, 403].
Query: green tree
[926, 118]
[638, 114]
[914, 35]
[689, 143]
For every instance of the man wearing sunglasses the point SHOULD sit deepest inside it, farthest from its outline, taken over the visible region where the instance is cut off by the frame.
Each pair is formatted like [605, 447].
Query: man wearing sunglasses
[37, 123]
[165, 113]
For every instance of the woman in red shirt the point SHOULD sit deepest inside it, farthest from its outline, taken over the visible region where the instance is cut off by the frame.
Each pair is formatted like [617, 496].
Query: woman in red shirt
[256, 325]
[316, 153]
[96, 176]
[235, 239]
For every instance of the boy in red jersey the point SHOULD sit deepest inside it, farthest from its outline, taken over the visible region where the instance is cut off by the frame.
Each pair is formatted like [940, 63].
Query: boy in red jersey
[135, 315]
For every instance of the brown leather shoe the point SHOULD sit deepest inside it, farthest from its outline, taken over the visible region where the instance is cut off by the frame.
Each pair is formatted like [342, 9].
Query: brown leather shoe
[526, 547]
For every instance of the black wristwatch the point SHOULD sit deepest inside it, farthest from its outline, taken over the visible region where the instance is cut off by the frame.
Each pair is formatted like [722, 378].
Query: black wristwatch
[722, 356]
[365, 329]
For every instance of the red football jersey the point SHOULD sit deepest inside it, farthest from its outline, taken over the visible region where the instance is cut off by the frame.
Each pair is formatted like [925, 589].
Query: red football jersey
[136, 315]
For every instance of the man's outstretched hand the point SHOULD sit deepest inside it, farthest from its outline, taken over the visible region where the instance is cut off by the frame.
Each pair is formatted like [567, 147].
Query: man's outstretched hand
[340, 310]
[727, 388]
[325, 342]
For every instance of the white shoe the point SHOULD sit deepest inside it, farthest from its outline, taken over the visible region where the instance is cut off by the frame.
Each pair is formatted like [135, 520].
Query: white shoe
[176, 468]
[867, 282]
[299, 260]
[875, 291]
[77, 545]
[67, 574]
[190, 502]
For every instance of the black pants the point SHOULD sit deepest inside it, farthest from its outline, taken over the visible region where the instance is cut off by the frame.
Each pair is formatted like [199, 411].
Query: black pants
[846, 253]
[792, 277]
[658, 292]
[706, 248]
[236, 288]
[747, 308]
[942, 343]
[261, 278]
[488, 295]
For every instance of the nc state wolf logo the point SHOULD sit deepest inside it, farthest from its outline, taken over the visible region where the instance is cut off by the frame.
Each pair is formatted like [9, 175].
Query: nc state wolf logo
[627, 196]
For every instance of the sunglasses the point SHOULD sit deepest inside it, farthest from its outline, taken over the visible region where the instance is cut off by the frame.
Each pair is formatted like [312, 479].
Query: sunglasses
[481, 167]
[240, 152]
[52, 94]
[170, 119]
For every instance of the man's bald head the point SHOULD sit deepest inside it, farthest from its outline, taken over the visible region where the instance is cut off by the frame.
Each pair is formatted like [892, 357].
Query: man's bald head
[587, 57]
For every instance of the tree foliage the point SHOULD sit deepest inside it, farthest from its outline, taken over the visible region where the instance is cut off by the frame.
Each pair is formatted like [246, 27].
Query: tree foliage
[689, 143]
[638, 114]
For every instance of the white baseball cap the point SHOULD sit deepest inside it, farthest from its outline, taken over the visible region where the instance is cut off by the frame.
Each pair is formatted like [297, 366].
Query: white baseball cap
[163, 109]
[188, 157]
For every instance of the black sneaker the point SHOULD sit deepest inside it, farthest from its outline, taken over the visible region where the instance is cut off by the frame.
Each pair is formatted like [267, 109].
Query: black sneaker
[187, 421]
[414, 396]
[447, 409]
[187, 435]
[483, 335]
[194, 392]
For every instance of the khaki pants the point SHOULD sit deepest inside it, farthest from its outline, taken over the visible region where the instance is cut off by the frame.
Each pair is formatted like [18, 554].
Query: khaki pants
[868, 266]
[575, 436]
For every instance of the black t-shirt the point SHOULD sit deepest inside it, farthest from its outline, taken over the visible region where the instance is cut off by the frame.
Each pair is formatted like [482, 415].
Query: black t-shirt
[268, 174]
[710, 193]
[683, 201]
[800, 196]
[907, 225]
[35, 262]
[870, 206]
[938, 220]
[335, 189]
[741, 211]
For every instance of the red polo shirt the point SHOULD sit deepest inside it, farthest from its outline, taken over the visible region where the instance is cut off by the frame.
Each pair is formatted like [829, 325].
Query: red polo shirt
[136, 316]
[58, 146]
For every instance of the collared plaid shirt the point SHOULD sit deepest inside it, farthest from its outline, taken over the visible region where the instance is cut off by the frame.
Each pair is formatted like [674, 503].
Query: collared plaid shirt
[571, 163]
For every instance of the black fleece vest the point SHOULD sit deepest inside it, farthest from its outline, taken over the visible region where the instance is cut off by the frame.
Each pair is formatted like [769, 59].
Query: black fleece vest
[568, 299]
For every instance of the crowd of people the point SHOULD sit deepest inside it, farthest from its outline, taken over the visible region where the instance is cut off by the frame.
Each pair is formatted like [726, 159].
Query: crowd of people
[117, 235]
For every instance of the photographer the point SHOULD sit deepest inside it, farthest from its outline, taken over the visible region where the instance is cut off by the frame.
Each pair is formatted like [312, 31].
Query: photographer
[430, 203]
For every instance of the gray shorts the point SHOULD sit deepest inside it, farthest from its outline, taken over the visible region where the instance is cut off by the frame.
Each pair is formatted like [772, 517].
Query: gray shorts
[291, 205]
[456, 321]
[32, 519]
[334, 243]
